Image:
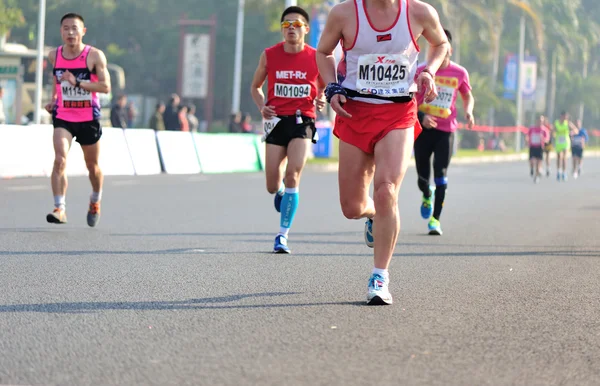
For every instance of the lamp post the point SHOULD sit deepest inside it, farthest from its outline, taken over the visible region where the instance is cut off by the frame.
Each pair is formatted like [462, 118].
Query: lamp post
[39, 71]
[520, 81]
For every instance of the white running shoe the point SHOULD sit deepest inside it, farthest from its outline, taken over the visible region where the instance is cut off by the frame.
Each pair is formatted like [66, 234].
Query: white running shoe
[378, 295]
[369, 240]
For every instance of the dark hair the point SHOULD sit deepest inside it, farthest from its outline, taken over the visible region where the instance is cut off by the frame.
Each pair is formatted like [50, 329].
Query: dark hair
[159, 105]
[71, 15]
[448, 35]
[563, 113]
[298, 10]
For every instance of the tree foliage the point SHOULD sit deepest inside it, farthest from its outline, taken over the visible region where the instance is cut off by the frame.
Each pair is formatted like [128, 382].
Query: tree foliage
[10, 16]
[142, 36]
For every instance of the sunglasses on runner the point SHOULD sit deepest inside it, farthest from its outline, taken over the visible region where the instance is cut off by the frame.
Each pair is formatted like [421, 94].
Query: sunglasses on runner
[293, 23]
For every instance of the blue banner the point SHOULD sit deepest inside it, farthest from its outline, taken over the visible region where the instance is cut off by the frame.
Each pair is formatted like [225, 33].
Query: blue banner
[510, 76]
[317, 25]
[529, 77]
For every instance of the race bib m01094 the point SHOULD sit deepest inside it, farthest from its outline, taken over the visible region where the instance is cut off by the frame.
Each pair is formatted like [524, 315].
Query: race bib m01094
[292, 90]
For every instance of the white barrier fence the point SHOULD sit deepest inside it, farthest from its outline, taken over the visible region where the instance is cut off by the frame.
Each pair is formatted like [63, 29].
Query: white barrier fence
[27, 151]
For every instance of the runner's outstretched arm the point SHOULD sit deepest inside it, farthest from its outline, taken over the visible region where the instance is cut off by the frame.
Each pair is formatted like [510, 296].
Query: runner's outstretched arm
[469, 103]
[103, 83]
[257, 82]
[98, 60]
[320, 100]
[434, 33]
[331, 36]
[50, 105]
[427, 23]
[256, 88]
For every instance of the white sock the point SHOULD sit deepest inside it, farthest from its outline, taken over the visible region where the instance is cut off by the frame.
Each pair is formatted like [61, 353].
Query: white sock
[96, 196]
[382, 272]
[281, 190]
[59, 202]
[283, 232]
[291, 190]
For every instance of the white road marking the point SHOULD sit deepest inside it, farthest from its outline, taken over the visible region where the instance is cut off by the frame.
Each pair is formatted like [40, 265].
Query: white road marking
[125, 183]
[197, 178]
[27, 188]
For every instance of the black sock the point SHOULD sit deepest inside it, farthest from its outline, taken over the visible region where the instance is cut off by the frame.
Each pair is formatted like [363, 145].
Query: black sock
[424, 187]
[440, 194]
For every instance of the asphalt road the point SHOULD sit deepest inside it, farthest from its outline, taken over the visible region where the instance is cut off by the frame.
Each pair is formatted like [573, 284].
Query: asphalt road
[176, 286]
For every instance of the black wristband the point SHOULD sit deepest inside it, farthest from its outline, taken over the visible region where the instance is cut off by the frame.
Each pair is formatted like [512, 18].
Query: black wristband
[333, 89]
[77, 84]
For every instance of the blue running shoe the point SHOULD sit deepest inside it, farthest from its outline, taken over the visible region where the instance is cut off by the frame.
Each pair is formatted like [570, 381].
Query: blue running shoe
[427, 205]
[278, 198]
[369, 240]
[281, 245]
[378, 295]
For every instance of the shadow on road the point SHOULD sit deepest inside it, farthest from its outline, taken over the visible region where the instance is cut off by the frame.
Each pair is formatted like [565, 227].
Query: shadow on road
[177, 251]
[191, 304]
[224, 234]
[569, 253]
[211, 251]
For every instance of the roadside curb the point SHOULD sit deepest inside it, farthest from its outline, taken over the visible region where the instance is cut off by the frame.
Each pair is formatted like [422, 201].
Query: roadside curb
[333, 166]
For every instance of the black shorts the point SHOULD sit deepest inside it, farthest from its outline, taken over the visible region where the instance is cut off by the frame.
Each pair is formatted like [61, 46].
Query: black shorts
[434, 142]
[86, 133]
[536, 152]
[577, 151]
[287, 129]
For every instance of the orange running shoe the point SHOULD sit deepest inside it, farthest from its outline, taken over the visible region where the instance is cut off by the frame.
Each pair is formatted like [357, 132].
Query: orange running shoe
[93, 215]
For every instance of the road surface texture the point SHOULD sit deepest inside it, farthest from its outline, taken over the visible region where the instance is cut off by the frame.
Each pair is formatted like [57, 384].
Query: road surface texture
[177, 285]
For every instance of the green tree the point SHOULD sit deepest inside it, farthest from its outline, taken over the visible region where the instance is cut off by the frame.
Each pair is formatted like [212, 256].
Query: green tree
[10, 16]
[142, 36]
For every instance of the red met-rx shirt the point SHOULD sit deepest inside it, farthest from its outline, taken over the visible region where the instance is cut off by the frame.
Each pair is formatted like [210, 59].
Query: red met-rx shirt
[292, 80]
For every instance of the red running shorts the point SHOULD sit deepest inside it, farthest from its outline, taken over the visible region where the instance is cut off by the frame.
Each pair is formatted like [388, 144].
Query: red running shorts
[371, 122]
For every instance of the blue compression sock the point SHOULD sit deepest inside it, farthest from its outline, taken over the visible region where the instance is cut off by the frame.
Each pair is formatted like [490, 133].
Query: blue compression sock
[289, 205]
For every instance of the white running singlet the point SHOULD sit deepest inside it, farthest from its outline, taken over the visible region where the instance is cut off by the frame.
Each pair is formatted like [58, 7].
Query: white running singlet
[380, 62]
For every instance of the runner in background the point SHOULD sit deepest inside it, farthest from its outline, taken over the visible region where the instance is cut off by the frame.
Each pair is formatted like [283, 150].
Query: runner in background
[578, 142]
[537, 136]
[438, 119]
[294, 88]
[563, 129]
[80, 73]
